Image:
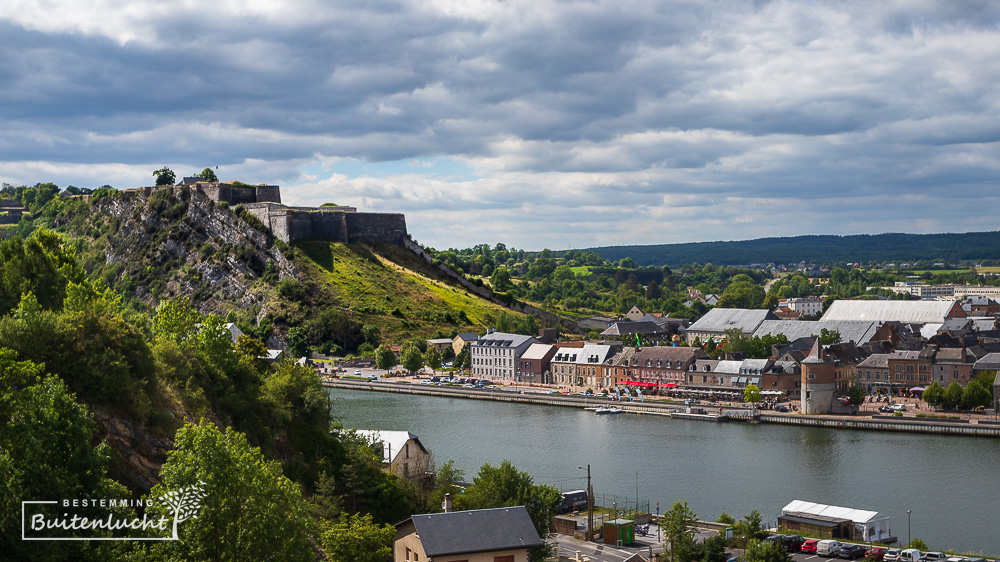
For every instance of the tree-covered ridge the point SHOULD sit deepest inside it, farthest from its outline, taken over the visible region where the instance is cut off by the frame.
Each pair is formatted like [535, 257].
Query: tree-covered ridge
[178, 242]
[822, 249]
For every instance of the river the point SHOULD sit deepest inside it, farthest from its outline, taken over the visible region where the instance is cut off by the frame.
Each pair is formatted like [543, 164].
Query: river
[947, 482]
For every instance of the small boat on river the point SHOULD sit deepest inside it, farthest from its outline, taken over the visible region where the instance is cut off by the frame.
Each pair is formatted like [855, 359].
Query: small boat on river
[601, 410]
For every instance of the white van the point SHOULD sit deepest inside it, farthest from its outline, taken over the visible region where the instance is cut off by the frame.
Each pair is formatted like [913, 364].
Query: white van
[828, 548]
[911, 555]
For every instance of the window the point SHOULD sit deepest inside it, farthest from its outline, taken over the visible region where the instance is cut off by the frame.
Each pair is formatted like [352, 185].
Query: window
[408, 554]
[509, 558]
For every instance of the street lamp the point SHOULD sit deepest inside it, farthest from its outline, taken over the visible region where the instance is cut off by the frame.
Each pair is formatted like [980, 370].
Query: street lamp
[590, 506]
[909, 539]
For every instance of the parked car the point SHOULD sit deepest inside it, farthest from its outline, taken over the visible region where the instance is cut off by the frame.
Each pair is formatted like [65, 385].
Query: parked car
[809, 546]
[911, 555]
[899, 407]
[892, 555]
[828, 548]
[781, 408]
[852, 551]
[885, 408]
[357, 371]
[934, 557]
[876, 552]
[774, 538]
[792, 543]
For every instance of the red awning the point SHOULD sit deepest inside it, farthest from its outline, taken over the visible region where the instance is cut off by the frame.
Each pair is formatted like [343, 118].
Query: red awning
[639, 383]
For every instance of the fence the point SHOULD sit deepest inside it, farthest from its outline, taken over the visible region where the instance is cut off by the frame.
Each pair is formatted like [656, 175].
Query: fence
[608, 509]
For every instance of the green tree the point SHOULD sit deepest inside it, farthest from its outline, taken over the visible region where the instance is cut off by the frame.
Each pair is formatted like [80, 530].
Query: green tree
[500, 279]
[48, 450]
[164, 176]
[505, 486]
[742, 294]
[933, 394]
[829, 337]
[751, 394]
[249, 506]
[978, 391]
[385, 358]
[357, 538]
[371, 334]
[751, 527]
[760, 551]
[208, 175]
[411, 358]
[953, 395]
[918, 544]
[856, 396]
[446, 480]
[432, 358]
[678, 527]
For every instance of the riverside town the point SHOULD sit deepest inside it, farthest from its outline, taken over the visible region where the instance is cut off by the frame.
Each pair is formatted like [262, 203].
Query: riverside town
[517, 281]
[204, 331]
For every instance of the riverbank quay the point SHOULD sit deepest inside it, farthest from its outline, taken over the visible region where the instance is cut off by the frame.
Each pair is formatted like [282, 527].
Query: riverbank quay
[874, 422]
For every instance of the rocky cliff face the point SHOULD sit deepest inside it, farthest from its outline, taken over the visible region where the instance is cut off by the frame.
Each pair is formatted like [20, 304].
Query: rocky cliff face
[178, 242]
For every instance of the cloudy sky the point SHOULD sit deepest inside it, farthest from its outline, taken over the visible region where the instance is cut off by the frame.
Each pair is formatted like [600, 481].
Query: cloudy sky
[535, 123]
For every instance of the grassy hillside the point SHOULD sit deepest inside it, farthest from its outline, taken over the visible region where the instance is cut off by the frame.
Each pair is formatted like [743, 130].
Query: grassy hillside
[393, 289]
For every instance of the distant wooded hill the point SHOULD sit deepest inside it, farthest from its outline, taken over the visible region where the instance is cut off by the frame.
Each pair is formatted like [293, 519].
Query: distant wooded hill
[861, 248]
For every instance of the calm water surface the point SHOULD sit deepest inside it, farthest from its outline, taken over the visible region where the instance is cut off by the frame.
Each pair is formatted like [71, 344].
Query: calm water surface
[949, 483]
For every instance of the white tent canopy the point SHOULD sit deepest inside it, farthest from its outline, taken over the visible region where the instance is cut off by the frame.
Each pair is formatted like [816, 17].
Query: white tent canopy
[868, 525]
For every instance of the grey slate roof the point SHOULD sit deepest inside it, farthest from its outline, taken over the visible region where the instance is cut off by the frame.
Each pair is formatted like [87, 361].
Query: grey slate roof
[480, 530]
[988, 363]
[920, 312]
[722, 319]
[625, 328]
[860, 332]
[502, 339]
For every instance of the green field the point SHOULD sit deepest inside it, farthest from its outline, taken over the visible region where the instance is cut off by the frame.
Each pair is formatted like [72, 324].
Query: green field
[581, 270]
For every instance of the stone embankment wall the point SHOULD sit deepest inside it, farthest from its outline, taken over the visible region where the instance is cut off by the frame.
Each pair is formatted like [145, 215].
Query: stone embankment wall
[488, 294]
[910, 425]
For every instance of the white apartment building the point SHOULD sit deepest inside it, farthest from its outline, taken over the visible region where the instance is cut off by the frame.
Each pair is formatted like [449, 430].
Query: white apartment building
[495, 355]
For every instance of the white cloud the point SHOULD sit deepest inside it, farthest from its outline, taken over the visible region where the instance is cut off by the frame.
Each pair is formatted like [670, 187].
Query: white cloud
[580, 122]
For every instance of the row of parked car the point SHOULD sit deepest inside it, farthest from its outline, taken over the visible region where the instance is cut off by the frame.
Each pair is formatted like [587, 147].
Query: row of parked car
[848, 551]
[468, 383]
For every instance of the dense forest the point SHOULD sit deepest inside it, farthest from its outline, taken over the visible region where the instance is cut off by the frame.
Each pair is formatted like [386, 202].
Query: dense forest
[861, 248]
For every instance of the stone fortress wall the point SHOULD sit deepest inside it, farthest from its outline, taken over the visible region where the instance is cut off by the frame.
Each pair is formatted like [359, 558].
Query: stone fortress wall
[338, 224]
[10, 211]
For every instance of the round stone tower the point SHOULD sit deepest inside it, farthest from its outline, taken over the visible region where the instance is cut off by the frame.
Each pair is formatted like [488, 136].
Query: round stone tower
[819, 382]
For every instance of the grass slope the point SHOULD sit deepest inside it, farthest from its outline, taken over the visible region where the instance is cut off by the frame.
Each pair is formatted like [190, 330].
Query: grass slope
[392, 288]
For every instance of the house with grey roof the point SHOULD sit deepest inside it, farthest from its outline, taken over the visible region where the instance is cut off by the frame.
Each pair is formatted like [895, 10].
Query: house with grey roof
[504, 533]
[495, 355]
[459, 342]
[401, 452]
[715, 322]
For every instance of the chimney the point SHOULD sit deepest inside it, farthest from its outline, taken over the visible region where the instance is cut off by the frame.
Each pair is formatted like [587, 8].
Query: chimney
[446, 504]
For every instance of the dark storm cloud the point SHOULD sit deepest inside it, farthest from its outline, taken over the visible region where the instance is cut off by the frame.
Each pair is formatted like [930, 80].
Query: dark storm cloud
[677, 119]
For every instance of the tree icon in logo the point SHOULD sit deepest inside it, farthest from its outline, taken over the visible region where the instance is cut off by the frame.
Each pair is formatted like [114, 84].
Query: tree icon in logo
[185, 502]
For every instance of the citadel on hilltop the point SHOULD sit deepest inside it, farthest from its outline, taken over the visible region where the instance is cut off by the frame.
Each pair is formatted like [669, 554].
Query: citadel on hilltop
[337, 224]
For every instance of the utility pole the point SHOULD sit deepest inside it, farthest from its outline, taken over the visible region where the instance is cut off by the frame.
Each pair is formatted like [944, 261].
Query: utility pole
[590, 507]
